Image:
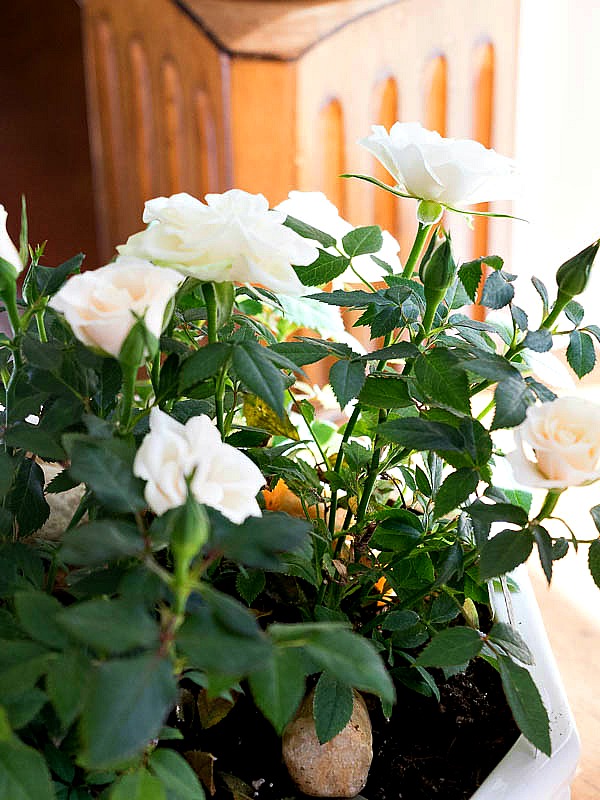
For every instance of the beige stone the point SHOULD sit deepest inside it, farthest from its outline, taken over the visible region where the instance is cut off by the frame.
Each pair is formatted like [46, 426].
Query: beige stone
[62, 506]
[338, 768]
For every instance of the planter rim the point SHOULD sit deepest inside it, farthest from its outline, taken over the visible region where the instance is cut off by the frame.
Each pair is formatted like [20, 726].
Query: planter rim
[525, 773]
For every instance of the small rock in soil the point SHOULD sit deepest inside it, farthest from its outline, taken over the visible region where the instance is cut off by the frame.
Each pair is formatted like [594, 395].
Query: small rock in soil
[338, 768]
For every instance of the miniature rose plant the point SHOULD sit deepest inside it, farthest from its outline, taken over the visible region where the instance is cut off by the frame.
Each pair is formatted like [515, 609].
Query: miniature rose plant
[229, 536]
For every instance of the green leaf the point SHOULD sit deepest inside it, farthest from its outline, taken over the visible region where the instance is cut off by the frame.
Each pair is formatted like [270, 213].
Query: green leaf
[491, 366]
[203, 364]
[544, 544]
[401, 350]
[67, 682]
[259, 541]
[325, 268]
[422, 434]
[452, 647]
[526, 704]
[105, 465]
[250, 584]
[520, 318]
[539, 341]
[363, 240]
[347, 379]
[22, 708]
[497, 291]
[455, 489]
[512, 399]
[36, 612]
[101, 541]
[300, 353]
[178, 778]
[543, 293]
[126, 707]
[7, 467]
[110, 626]
[309, 232]
[442, 379]
[26, 499]
[23, 773]
[35, 439]
[594, 561]
[349, 656]
[511, 642]
[470, 277]
[497, 512]
[580, 353]
[223, 637]
[139, 785]
[278, 688]
[48, 280]
[504, 552]
[574, 312]
[399, 533]
[257, 372]
[594, 330]
[349, 299]
[333, 704]
[383, 390]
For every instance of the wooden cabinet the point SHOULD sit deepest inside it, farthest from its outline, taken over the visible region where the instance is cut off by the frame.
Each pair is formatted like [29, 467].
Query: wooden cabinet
[272, 95]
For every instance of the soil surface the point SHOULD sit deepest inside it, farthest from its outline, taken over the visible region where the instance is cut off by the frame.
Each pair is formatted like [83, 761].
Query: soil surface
[426, 750]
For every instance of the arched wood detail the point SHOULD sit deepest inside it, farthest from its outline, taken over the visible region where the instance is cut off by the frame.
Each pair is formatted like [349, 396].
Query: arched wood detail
[332, 153]
[436, 94]
[175, 149]
[206, 144]
[111, 142]
[386, 206]
[483, 113]
[143, 122]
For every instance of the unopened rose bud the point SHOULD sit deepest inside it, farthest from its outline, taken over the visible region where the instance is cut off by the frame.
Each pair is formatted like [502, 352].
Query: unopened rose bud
[439, 270]
[573, 276]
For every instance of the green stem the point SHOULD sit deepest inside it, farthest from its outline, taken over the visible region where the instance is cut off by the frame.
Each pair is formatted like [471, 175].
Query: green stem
[416, 250]
[371, 477]
[338, 463]
[549, 504]
[212, 324]
[308, 425]
[39, 318]
[10, 301]
[433, 298]
[127, 395]
[559, 304]
[155, 373]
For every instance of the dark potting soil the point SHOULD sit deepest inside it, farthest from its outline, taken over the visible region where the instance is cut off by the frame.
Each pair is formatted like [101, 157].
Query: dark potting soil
[426, 750]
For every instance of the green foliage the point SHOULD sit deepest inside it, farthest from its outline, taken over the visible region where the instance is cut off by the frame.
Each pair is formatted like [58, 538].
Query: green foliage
[332, 706]
[452, 647]
[370, 557]
[525, 703]
[126, 705]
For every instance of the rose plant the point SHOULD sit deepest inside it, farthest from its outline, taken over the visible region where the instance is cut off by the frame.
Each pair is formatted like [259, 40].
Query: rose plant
[236, 536]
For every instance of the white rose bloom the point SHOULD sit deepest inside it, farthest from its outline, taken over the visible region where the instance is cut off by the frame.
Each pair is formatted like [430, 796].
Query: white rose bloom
[7, 249]
[233, 237]
[558, 444]
[315, 209]
[222, 477]
[98, 305]
[453, 172]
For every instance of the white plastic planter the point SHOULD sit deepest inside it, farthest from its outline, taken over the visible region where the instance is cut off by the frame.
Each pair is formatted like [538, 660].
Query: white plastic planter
[525, 773]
